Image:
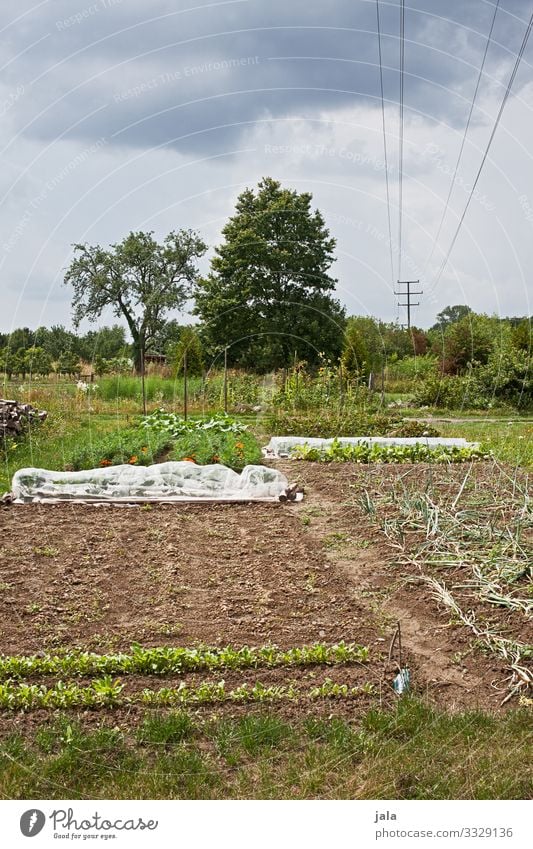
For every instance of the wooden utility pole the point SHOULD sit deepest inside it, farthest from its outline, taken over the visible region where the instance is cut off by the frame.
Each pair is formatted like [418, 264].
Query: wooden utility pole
[185, 400]
[142, 382]
[226, 379]
[407, 294]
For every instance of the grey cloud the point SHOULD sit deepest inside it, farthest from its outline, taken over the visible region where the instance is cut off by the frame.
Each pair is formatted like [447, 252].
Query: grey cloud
[161, 75]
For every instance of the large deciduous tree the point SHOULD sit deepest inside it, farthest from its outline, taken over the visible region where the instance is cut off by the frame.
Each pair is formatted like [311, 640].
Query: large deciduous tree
[269, 291]
[140, 279]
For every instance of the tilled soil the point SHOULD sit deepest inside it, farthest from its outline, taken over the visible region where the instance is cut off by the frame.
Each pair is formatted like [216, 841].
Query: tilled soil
[221, 574]
[102, 578]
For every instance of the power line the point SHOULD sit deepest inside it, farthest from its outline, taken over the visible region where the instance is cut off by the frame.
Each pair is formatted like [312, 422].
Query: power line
[400, 146]
[384, 139]
[489, 143]
[446, 205]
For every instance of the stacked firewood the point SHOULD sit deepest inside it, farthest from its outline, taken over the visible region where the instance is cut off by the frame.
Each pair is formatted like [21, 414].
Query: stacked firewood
[15, 418]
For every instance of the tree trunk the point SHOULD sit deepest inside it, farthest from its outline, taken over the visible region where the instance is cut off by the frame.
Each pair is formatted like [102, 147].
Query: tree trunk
[138, 352]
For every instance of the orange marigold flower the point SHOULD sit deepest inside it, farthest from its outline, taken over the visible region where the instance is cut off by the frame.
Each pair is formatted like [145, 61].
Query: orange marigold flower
[144, 449]
[189, 459]
[215, 458]
[133, 460]
[239, 445]
[105, 462]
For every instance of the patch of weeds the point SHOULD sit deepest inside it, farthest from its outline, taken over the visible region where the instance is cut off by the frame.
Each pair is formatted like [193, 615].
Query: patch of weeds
[46, 551]
[166, 729]
[187, 773]
[336, 539]
[258, 732]
[227, 741]
[338, 734]
[360, 543]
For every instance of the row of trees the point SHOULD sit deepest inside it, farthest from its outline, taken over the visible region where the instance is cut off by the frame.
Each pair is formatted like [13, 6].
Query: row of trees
[267, 302]
[45, 350]
[459, 340]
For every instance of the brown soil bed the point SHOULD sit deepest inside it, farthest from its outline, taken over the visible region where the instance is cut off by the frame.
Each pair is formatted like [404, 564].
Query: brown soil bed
[103, 577]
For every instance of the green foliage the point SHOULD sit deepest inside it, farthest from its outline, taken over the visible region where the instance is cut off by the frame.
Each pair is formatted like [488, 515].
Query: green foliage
[405, 375]
[219, 439]
[365, 452]
[138, 278]
[468, 341]
[167, 730]
[451, 315]
[506, 379]
[204, 447]
[345, 423]
[39, 361]
[268, 294]
[132, 445]
[14, 362]
[303, 389]
[361, 352]
[522, 335]
[106, 343]
[189, 346]
[68, 363]
[161, 421]
[451, 392]
[170, 661]
[508, 376]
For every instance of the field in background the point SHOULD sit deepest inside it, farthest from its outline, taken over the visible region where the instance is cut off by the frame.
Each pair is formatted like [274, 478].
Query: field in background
[81, 417]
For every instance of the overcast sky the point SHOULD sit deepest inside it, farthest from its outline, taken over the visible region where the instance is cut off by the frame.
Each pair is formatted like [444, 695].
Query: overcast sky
[121, 115]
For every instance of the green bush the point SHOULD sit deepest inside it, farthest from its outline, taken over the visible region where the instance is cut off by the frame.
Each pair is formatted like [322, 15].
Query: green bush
[450, 392]
[508, 377]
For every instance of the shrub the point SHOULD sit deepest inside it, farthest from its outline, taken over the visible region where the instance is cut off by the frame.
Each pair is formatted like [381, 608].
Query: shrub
[508, 376]
[446, 391]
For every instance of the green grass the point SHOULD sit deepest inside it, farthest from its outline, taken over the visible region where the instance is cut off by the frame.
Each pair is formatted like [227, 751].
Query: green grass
[410, 752]
[510, 442]
[52, 444]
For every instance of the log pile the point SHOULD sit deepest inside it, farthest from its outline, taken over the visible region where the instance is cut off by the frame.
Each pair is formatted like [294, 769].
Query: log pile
[15, 418]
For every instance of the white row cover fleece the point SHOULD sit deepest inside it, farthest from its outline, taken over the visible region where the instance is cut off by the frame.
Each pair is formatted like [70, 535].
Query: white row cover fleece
[173, 481]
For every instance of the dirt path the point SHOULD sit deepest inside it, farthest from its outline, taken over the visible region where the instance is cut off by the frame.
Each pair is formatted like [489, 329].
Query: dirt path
[440, 654]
